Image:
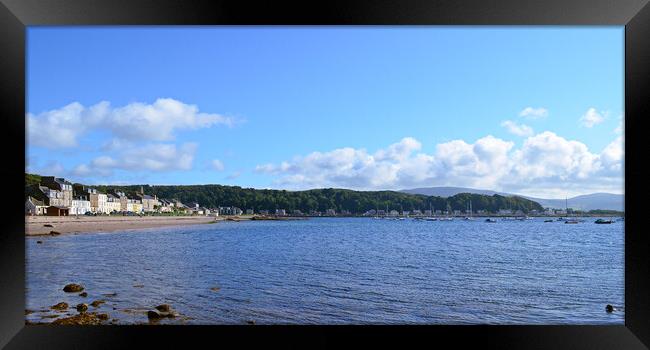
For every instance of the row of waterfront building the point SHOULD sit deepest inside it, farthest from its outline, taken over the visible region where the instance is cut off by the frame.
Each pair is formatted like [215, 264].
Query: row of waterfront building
[57, 197]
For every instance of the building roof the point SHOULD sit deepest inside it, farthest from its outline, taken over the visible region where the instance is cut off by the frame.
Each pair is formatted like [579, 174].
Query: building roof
[35, 201]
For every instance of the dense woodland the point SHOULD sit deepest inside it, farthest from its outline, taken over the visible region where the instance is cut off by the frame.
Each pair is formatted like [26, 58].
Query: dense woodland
[356, 202]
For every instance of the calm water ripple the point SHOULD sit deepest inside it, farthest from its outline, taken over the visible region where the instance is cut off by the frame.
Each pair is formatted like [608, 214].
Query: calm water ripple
[341, 271]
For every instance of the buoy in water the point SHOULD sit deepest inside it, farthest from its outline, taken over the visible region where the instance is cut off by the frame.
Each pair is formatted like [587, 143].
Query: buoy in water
[609, 308]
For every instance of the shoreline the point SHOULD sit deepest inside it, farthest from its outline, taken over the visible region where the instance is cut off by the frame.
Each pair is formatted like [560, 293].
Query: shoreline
[35, 225]
[45, 225]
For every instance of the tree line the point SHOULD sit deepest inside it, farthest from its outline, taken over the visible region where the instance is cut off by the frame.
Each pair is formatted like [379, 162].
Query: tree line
[356, 202]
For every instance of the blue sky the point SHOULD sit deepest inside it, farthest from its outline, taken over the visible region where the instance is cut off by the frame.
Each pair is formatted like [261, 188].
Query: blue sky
[531, 110]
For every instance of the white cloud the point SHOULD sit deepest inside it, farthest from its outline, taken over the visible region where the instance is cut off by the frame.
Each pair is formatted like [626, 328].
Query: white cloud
[61, 128]
[158, 157]
[217, 165]
[612, 156]
[592, 117]
[534, 113]
[548, 155]
[545, 162]
[57, 128]
[517, 129]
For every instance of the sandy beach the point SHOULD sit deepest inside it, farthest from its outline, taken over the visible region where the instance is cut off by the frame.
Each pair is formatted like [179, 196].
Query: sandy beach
[35, 225]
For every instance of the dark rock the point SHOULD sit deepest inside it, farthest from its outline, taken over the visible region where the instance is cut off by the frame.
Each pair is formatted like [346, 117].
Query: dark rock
[60, 306]
[83, 294]
[161, 311]
[609, 308]
[39, 242]
[47, 225]
[215, 289]
[252, 322]
[80, 319]
[96, 303]
[55, 233]
[49, 316]
[102, 317]
[27, 312]
[153, 315]
[73, 288]
[82, 307]
[163, 307]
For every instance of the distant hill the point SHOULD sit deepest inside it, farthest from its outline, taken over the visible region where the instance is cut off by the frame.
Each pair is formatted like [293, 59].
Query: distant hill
[606, 201]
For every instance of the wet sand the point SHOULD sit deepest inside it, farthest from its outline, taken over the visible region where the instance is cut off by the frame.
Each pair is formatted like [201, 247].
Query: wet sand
[35, 225]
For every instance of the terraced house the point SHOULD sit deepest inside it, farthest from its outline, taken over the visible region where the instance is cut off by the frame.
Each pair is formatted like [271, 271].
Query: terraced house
[97, 200]
[149, 203]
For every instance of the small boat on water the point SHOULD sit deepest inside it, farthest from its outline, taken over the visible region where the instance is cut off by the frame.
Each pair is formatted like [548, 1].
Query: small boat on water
[549, 220]
[490, 220]
[469, 210]
[603, 221]
[572, 221]
[430, 219]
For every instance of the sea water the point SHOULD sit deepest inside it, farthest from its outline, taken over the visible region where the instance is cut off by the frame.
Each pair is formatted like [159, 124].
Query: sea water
[339, 271]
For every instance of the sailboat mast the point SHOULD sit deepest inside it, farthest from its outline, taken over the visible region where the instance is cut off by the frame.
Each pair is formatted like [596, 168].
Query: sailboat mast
[566, 205]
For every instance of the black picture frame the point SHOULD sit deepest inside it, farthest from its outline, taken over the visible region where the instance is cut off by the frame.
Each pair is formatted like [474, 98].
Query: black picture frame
[15, 15]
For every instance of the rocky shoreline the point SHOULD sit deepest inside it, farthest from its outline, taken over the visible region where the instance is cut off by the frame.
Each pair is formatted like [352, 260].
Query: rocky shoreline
[102, 312]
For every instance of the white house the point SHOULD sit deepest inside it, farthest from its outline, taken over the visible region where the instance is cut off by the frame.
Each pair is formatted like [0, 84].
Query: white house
[80, 206]
[112, 204]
